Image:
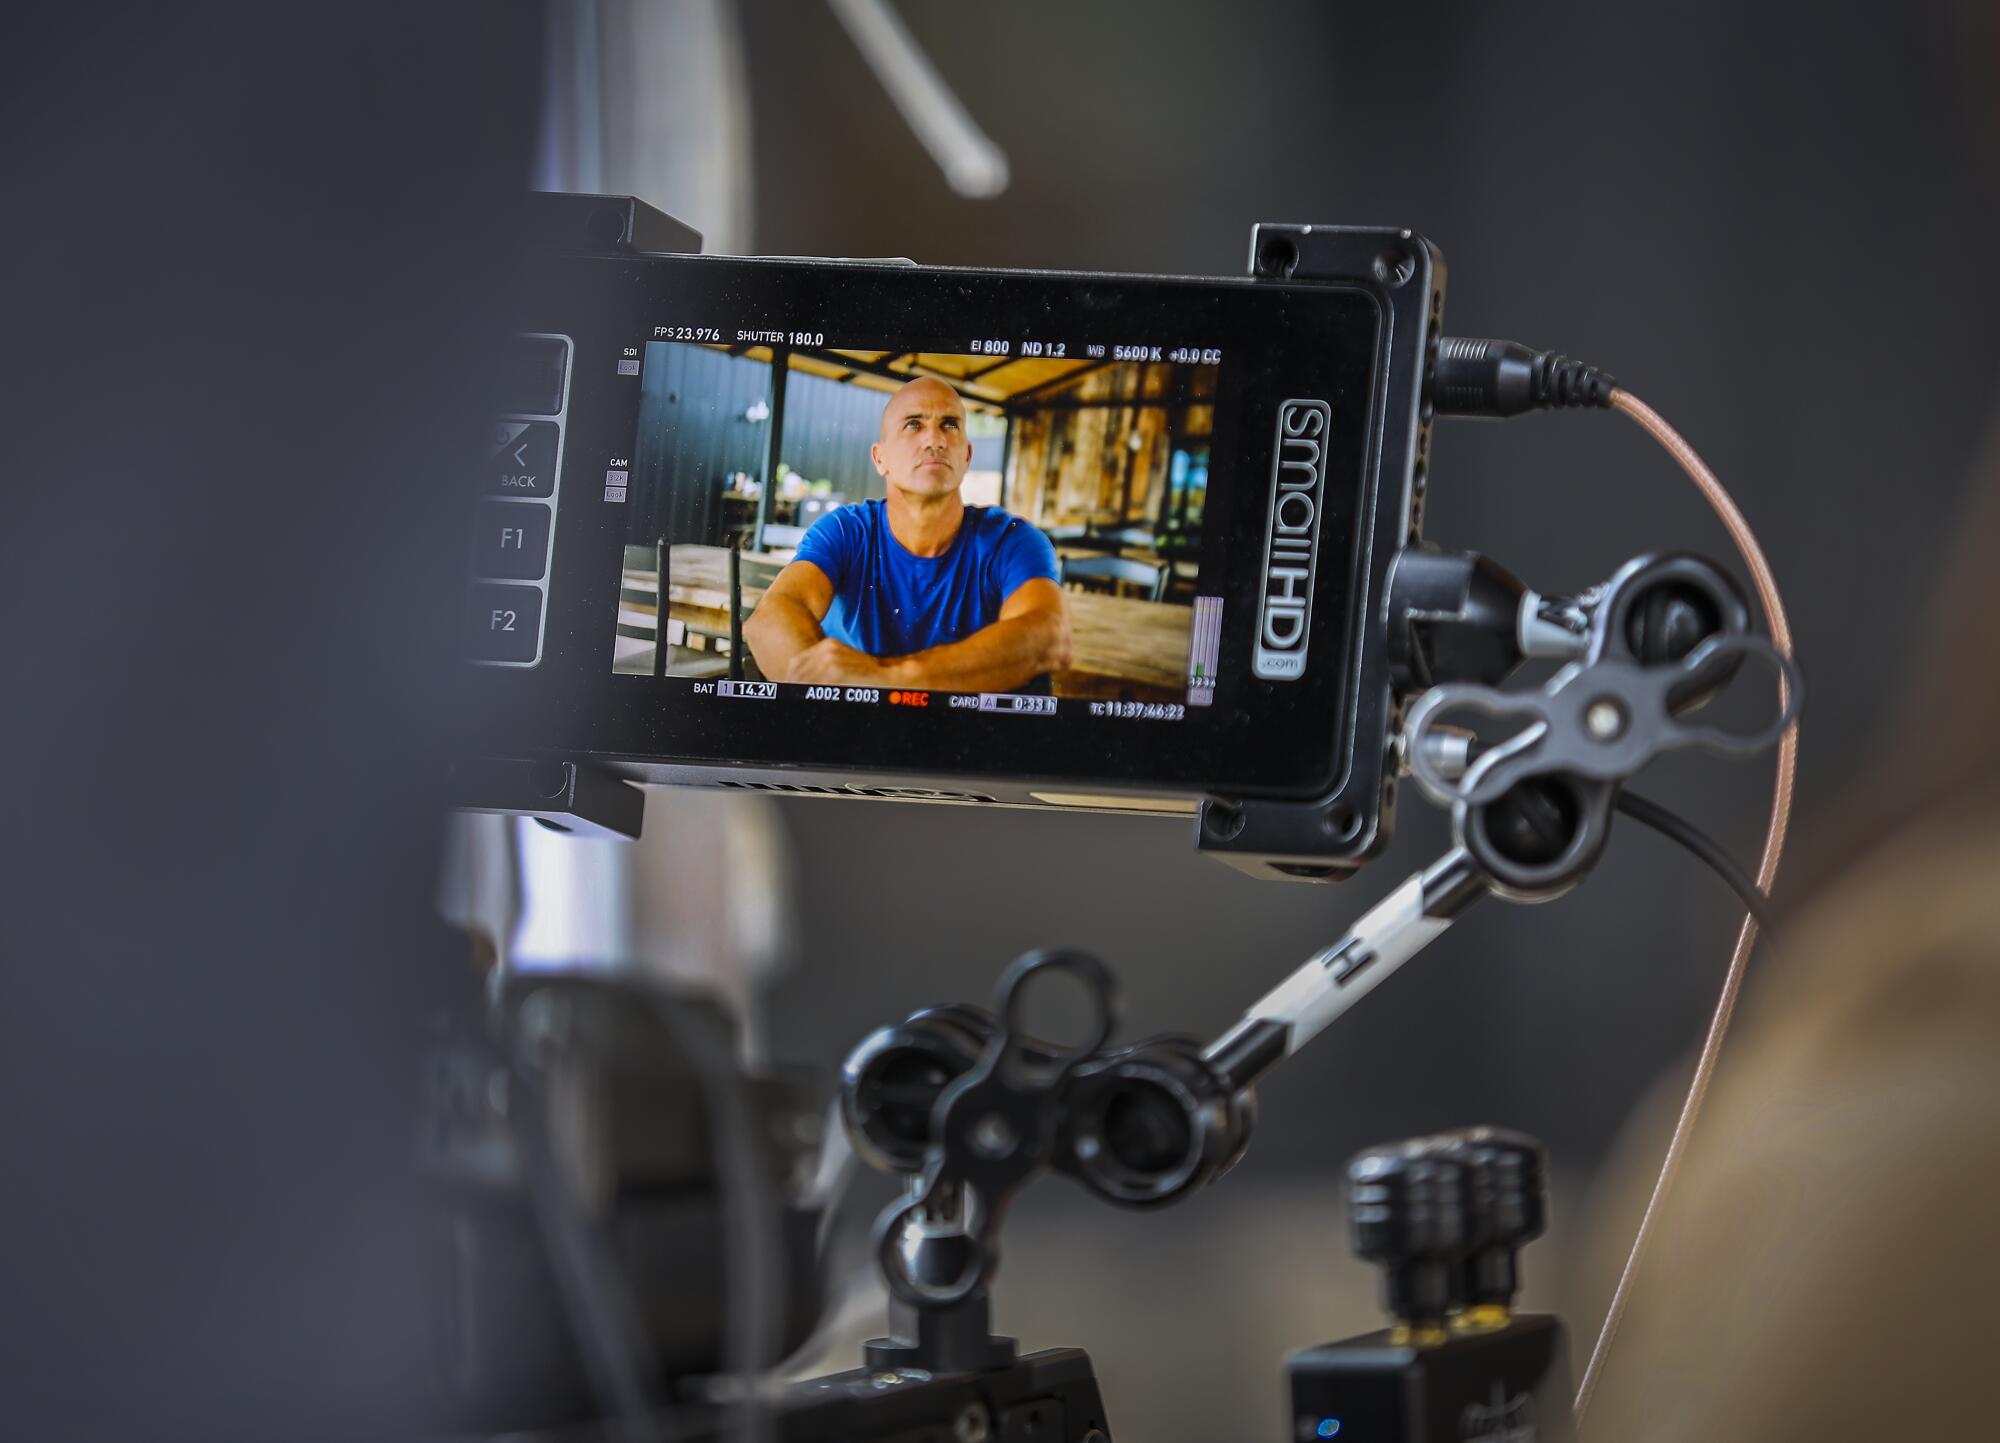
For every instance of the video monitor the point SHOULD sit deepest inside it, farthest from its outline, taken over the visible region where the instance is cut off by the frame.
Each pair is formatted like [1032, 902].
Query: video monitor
[1011, 526]
[820, 523]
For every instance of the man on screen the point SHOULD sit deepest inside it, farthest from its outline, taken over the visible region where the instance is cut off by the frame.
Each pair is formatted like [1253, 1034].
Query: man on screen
[920, 589]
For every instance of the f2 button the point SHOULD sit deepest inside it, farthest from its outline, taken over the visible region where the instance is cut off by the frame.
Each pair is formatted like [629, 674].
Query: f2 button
[503, 623]
[511, 540]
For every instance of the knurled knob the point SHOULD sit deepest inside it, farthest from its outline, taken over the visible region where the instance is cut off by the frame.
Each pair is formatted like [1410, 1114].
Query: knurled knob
[1507, 1185]
[1408, 1209]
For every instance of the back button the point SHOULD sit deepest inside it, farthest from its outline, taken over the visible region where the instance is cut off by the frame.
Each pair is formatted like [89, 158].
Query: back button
[521, 458]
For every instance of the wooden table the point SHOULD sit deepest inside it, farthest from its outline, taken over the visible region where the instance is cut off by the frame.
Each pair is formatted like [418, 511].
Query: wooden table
[1113, 638]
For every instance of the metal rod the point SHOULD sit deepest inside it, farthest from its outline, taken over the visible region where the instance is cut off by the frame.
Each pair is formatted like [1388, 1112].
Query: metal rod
[1056, 383]
[917, 370]
[735, 613]
[1128, 403]
[1006, 461]
[972, 164]
[780, 367]
[660, 551]
[1389, 934]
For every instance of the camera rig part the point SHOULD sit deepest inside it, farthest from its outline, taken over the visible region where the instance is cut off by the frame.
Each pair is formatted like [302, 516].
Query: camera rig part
[1333, 834]
[1445, 1218]
[1329, 835]
[968, 1108]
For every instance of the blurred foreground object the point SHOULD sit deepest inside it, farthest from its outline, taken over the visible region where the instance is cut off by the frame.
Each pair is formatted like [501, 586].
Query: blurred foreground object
[973, 165]
[263, 243]
[1825, 1268]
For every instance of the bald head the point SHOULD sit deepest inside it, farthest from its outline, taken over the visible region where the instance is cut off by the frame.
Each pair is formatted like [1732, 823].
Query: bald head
[915, 396]
[922, 447]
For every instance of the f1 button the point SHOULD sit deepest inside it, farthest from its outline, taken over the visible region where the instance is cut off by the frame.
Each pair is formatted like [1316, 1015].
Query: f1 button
[511, 540]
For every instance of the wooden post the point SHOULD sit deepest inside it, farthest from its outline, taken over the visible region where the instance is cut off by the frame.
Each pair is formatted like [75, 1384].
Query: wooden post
[1126, 435]
[1173, 501]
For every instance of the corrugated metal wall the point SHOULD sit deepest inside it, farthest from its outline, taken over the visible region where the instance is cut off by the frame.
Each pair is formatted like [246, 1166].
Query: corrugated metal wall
[692, 434]
[829, 426]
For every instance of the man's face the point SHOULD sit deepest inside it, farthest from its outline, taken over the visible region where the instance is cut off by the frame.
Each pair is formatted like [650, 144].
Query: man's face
[923, 447]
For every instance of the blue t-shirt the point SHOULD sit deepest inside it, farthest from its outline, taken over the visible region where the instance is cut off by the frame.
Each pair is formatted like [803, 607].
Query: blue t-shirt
[887, 602]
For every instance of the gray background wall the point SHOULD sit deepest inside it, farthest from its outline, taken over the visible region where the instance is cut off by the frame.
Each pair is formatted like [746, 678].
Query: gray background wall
[1774, 222]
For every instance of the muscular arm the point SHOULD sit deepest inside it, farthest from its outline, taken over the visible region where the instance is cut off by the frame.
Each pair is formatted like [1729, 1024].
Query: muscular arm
[785, 625]
[1031, 637]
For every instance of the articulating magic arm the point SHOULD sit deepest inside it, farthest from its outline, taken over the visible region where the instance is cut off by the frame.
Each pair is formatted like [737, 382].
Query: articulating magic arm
[968, 1107]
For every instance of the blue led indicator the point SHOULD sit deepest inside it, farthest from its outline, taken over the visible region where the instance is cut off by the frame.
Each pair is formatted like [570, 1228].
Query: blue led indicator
[1328, 1427]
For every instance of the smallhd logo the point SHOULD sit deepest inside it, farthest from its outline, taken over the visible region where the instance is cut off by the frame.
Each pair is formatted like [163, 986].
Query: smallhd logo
[1291, 541]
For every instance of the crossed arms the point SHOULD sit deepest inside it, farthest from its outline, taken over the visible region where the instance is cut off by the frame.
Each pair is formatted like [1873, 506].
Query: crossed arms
[1030, 637]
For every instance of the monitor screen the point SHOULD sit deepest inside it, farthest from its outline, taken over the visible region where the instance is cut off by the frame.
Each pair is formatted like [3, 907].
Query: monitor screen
[1012, 524]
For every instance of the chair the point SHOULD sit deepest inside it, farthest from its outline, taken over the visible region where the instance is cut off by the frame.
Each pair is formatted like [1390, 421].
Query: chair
[1139, 538]
[1110, 573]
[643, 615]
[746, 573]
[1180, 553]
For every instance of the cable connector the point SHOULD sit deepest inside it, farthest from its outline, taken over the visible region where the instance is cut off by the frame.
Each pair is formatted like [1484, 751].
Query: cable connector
[1505, 378]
